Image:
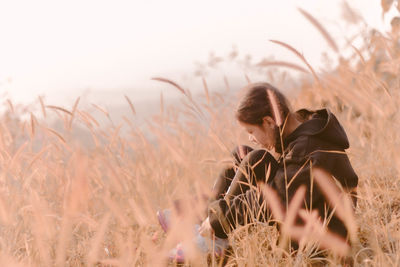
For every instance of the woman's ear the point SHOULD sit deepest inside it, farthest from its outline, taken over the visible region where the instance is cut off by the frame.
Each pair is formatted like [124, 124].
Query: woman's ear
[269, 122]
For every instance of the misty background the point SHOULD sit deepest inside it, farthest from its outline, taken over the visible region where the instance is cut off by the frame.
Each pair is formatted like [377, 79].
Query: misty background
[103, 50]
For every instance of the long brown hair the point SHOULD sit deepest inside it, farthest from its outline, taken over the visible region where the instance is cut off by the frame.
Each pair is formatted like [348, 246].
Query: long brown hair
[260, 100]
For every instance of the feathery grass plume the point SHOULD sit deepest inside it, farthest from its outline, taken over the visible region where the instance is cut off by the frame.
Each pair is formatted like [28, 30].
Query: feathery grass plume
[54, 132]
[38, 155]
[160, 79]
[114, 136]
[290, 215]
[274, 203]
[5, 212]
[205, 86]
[358, 52]
[226, 82]
[17, 156]
[76, 103]
[43, 107]
[127, 121]
[80, 191]
[33, 119]
[60, 109]
[217, 139]
[64, 237]
[319, 234]
[320, 28]
[299, 55]
[247, 78]
[130, 105]
[43, 229]
[338, 199]
[312, 231]
[88, 119]
[115, 182]
[23, 126]
[44, 233]
[267, 63]
[187, 93]
[298, 172]
[275, 108]
[309, 227]
[162, 103]
[74, 108]
[96, 242]
[294, 207]
[139, 215]
[102, 110]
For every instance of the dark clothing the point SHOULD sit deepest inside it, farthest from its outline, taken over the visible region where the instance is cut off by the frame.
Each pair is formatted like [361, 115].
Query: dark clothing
[224, 180]
[319, 141]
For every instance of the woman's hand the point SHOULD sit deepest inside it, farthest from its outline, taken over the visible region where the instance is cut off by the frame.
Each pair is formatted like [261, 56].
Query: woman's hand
[205, 228]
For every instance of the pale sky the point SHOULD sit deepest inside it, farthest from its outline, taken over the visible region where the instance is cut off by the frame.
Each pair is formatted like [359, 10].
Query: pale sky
[61, 48]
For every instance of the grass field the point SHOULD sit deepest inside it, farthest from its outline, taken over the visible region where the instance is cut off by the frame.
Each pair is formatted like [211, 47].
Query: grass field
[68, 201]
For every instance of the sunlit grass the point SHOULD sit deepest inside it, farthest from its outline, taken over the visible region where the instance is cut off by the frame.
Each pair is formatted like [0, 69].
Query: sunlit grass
[69, 201]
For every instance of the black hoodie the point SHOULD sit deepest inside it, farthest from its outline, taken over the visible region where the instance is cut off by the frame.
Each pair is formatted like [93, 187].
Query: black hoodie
[319, 141]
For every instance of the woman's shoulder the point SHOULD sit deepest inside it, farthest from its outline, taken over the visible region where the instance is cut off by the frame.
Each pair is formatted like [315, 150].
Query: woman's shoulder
[321, 127]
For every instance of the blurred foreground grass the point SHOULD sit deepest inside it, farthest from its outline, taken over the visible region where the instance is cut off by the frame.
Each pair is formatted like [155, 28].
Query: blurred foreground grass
[73, 197]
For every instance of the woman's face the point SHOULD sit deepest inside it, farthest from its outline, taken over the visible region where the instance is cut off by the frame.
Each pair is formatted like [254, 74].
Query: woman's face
[263, 134]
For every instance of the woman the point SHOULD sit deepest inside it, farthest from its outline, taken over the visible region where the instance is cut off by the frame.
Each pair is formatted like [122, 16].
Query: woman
[302, 140]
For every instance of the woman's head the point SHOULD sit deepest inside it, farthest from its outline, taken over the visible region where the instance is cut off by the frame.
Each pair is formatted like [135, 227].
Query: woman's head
[261, 112]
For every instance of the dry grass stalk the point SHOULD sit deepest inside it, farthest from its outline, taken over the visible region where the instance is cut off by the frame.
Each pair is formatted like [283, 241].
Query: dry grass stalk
[60, 109]
[247, 78]
[226, 82]
[275, 108]
[130, 105]
[17, 156]
[33, 119]
[321, 29]
[139, 174]
[43, 107]
[162, 104]
[267, 63]
[97, 240]
[193, 105]
[205, 86]
[312, 231]
[59, 136]
[74, 109]
[294, 207]
[299, 55]
[160, 79]
[102, 110]
[338, 199]
[358, 52]
[88, 119]
[272, 199]
[5, 217]
[42, 229]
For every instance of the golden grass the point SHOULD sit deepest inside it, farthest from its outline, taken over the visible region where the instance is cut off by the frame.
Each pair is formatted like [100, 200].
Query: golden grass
[64, 204]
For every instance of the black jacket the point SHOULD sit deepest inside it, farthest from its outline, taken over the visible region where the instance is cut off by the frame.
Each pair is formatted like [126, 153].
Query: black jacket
[319, 141]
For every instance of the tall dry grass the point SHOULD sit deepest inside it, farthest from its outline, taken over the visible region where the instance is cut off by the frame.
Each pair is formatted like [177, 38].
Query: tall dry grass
[68, 202]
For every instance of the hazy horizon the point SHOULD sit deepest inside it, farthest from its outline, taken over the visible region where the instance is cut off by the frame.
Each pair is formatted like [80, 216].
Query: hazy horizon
[92, 48]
